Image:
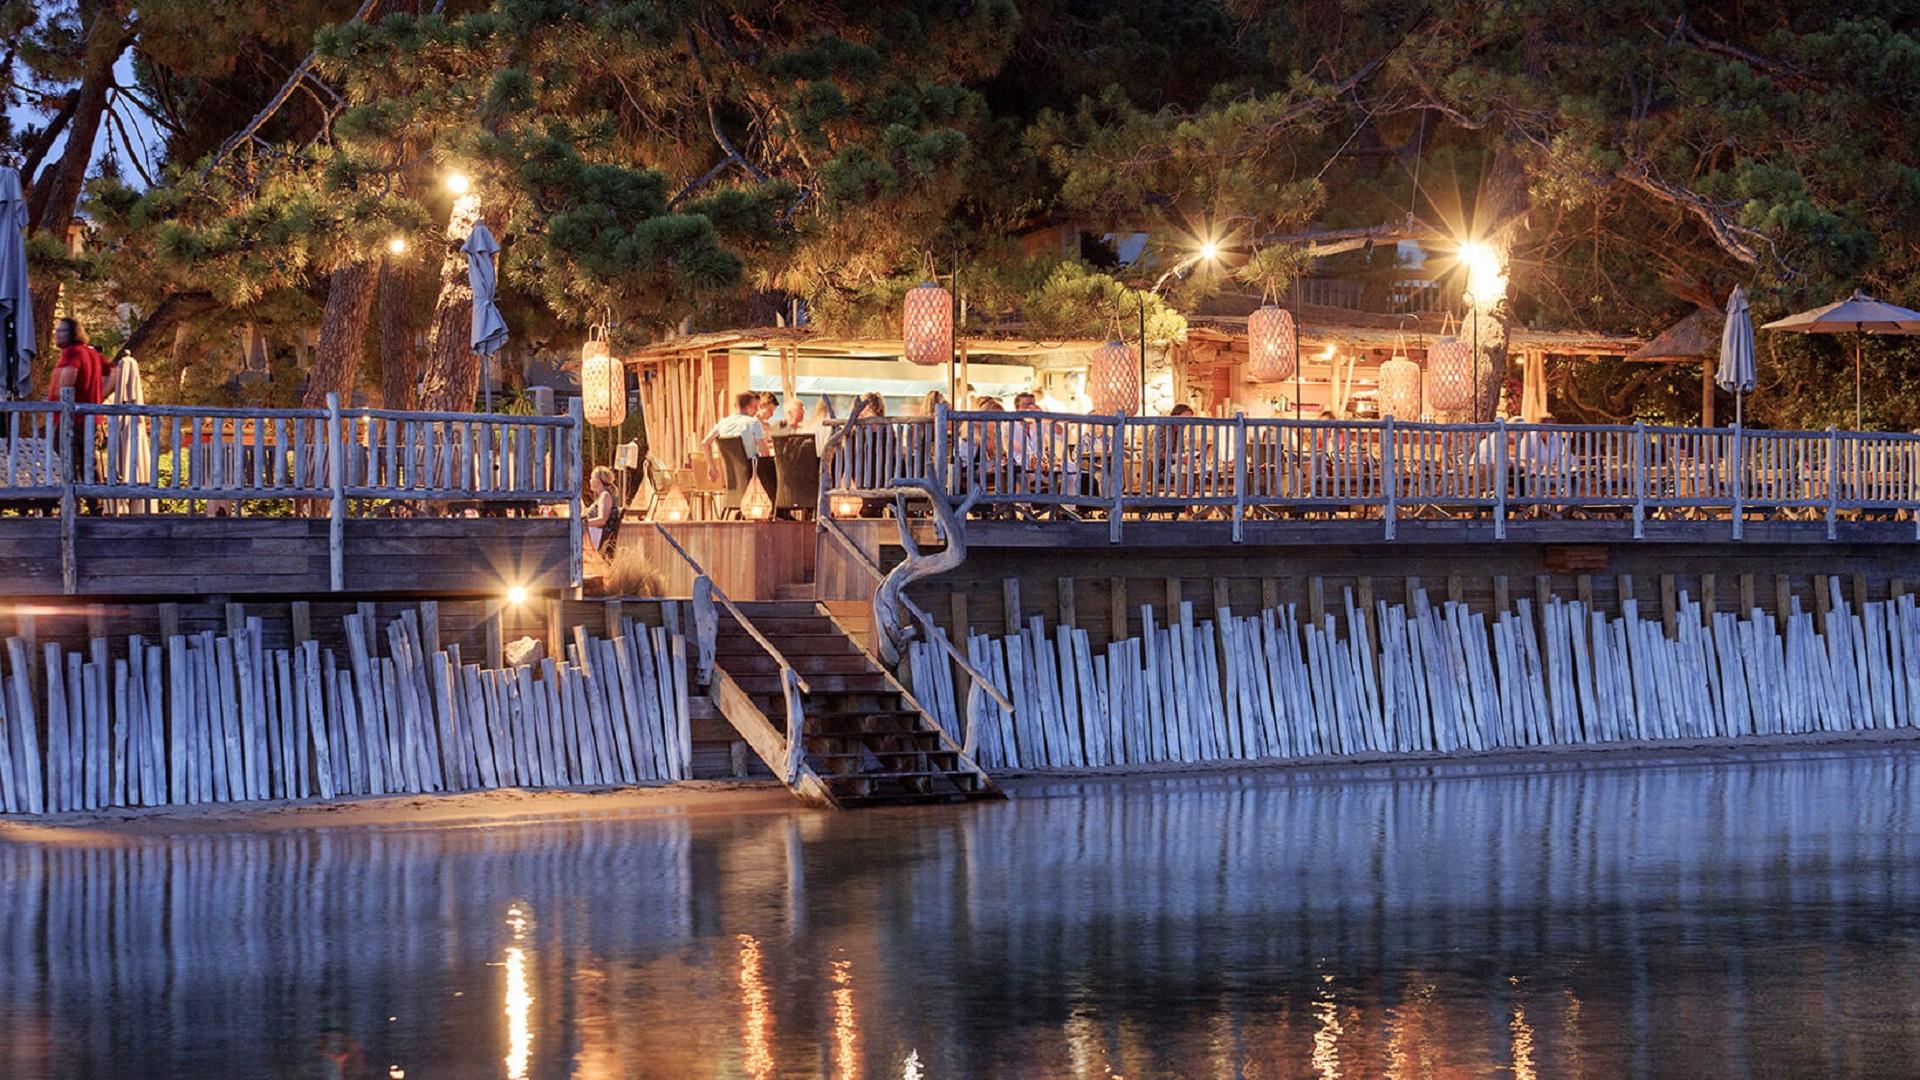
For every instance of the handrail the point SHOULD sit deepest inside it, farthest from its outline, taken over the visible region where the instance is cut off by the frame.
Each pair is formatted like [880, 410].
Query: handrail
[834, 529]
[1394, 469]
[732, 609]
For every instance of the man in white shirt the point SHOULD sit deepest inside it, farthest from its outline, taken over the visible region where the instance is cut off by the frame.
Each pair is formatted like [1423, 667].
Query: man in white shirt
[743, 425]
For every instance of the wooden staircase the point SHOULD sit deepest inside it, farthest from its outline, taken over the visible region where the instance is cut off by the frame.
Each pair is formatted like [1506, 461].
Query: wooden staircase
[866, 741]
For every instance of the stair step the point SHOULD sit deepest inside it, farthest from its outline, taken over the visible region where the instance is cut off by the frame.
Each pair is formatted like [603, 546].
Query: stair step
[741, 664]
[777, 628]
[755, 609]
[871, 682]
[793, 646]
[795, 590]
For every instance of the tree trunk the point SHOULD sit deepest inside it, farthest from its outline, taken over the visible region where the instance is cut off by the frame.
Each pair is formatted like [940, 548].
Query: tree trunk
[51, 205]
[452, 370]
[399, 360]
[343, 335]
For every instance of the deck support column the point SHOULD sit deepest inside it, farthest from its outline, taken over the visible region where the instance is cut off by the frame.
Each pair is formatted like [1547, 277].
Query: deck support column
[337, 505]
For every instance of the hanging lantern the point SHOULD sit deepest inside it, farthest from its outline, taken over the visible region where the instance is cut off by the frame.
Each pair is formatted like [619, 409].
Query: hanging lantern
[1449, 374]
[845, 504]
[1113, 379]
[1272, 355]
[603, 383]
[755, 504]
[926, 324]
[672, 507]
[1400, 388]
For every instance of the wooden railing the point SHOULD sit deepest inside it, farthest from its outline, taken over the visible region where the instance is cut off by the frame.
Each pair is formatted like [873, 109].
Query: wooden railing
[173, 459]
[1240, 468]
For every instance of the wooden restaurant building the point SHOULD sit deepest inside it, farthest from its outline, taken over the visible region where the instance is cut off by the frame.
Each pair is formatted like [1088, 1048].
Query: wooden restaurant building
[309, 603]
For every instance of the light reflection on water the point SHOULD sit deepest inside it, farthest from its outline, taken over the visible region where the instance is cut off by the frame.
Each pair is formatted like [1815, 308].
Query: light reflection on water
[1754, 917]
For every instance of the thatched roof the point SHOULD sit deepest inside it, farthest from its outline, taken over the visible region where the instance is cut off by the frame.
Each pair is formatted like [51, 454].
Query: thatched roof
[1696, 337]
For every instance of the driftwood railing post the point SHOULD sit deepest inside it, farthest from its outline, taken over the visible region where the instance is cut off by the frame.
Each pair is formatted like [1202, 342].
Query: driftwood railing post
[576, 565]
[1117, 477]
[1639, 479]
[1500, 478]
[941, 477]
[69, 573]
[1738, 480]
[1390, 510]
[1239, 472]
[706, 627]
[1833, 482]
[337, 504]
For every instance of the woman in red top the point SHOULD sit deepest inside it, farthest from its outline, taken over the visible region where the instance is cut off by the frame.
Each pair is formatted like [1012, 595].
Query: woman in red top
[81, 366]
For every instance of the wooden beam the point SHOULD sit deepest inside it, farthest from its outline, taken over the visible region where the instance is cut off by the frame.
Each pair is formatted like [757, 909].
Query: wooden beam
[300, 616]
[1063, 595]
[1010, 604]
[1117, 609]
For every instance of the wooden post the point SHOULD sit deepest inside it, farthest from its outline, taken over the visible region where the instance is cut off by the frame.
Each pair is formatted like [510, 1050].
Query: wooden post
[1502, 598]
[1117, 609]
[1738, 482]
[236, 620]
[69, 508]
[1363, 597]
[1746, 595]
[1270, 593]
[430, 628]
[556, 635]
[337, 506]
[1622, 591]
[1240, 472]
[1117, 478]
[169, 623]
[1706, 394]
[1860, 594]
[96, 621]
[1542, 593]
[1896, 588]
[1068, 616]
[496, 647]
[1222, 597]
[1317, 600]
[1709, 599]
[1833, 491]
[1822, 601]
[1454, 592]
[1500, 478]
[1174, 595]
[1669, 618]
[615, 623]
[1782, 601]
[1583, 589]
[576, 565]
[300, 615]
[1639, 480]
[1390, 512]
[1010, 604]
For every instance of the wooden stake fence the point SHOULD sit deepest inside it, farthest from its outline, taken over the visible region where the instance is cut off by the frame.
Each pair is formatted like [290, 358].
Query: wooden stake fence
[219, 718]
[1440, 679]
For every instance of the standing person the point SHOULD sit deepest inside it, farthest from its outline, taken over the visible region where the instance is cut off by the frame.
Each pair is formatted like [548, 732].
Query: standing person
[83, 370]
[932, 402]
[743, 425]
[601, 509]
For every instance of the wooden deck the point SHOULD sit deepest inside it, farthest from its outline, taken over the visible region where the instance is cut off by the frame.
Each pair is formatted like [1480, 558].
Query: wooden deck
[191, 556]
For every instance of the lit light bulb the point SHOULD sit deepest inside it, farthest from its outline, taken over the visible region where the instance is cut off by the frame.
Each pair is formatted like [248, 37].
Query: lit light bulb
[458, 183]
[397, 245]
[1209, 251]
[517, 595]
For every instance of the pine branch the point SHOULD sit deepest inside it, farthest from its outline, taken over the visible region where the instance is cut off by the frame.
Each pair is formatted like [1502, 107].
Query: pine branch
[300, 72]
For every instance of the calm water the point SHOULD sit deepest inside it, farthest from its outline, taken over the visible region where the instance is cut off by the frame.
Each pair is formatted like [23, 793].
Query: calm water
[1747, 918]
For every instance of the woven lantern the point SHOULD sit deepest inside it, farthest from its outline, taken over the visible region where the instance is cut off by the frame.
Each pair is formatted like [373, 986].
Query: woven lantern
[1449, 374]
[1113, 379]
[1271, 352]
[926, 324]
[845, 504]
[755, 504]
[1400, 388]
[603, 383]
[672, 507]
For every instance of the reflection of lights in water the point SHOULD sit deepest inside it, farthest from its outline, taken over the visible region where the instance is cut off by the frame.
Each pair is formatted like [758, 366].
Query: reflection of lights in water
[910, 1070]
[1522, 1044]
[519, 1000]
[395, 1072]
[1326, 1037]
[1576, 1059]
[759, 1018]
[846, 1032]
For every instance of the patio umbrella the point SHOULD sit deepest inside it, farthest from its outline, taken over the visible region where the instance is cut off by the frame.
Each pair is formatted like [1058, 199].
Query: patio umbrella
[16, 306]
[489, 329]
[1736, 351]
[1859, 314]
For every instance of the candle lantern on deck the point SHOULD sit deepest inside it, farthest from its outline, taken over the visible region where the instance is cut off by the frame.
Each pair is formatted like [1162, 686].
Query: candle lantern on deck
[1400, 388]
[672, 507]
[926, 324]
[603, 383]
[1113, 379]
[845, 504]
[1272, 353]
[1449, 374]
[755, 504]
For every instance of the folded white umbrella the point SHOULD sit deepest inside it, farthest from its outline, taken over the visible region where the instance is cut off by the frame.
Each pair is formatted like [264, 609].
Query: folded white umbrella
[1858, 314]
[489, 329]
[1736, 370]
[16, 304]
